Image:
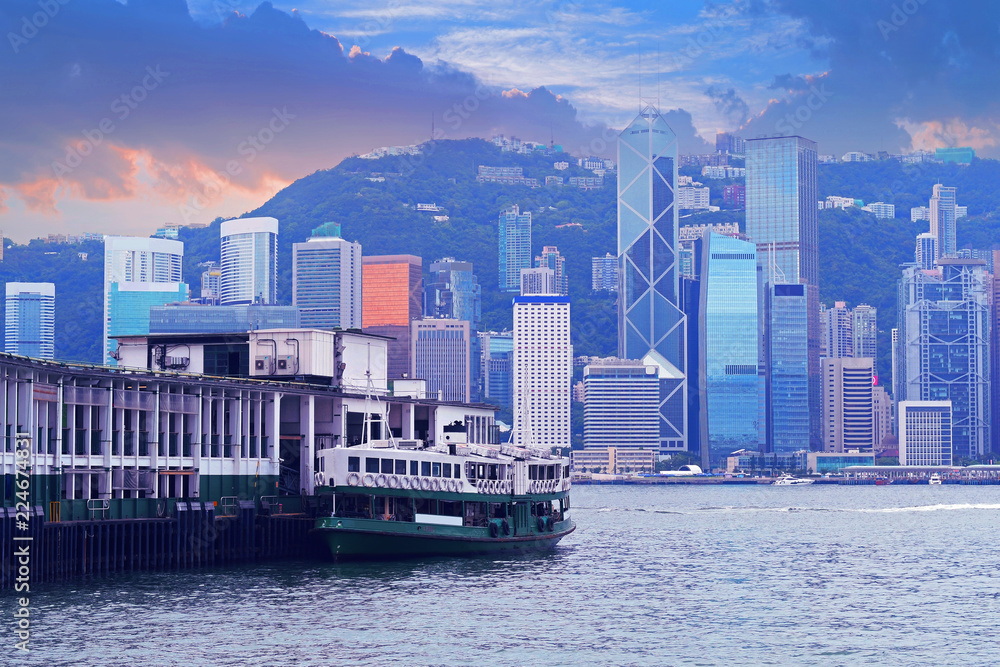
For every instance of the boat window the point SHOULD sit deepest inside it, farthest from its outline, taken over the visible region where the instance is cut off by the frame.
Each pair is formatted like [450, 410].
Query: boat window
[371, 465]
[447, 470]
[425, 468]
[414, 468]
[353, 464]
[386, 466]
[475, 514]
[551, 472]
[354, 506]
[437, 469]
[498, 510]
[481, 471]
[426, 506]
[532, 472]
[492, 471]
[449, 508]
[458, 471]
[565, 472]
[400, 467]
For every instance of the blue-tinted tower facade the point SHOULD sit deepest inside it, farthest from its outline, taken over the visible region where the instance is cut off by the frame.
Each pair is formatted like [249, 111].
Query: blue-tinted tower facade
[514, 245]
[29, 319]
[651, 324]
[787, 367]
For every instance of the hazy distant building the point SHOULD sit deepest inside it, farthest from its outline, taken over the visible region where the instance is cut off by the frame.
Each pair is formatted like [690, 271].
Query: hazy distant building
[497, 367]
[838, 327]
[920, 214]
[327, 280]
[191, 317]
[927, 251]
[604, 273]
[541, 280]
[882, 404]
[453, 292]
[995, 356]
[651, 324]
[29, 319]
[848, 409]
[514, 239]
[864, 330]
[440, 352]
[925, 433]
[249, 260]
[943, 219]
[621, 405]
[391, 299]
[149, 270]
[551, 259]
[211, 283]
[543, 371]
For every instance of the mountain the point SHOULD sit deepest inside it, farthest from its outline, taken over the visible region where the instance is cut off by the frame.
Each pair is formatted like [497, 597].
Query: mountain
[859, 255]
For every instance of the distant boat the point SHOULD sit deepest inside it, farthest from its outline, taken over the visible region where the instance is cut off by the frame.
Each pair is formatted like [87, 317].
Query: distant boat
[791, 480]
[935, 480]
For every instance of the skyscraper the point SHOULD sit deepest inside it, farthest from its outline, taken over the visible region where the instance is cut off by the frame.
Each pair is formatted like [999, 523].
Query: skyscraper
[211, 283]
[132, 264]
[621, 405]
[550, 258]
[864, 329]
[995, 356]
[781, 218]
[543, 371]
[440, 352]
[787, 368]
[926, 431]
[453, 292]
[943, 348]
[651, 324]
[497, 370]
[838, 327]
[943, 225]
[326, 280]
[927, 251]
[541, 280]
[514, 241]
[392, 298]
[604, 273]
[249, 260]
[848, 408]
[723, 348]
[29, 319]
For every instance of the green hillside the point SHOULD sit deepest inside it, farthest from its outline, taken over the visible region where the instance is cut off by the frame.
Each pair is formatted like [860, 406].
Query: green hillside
[859, 256]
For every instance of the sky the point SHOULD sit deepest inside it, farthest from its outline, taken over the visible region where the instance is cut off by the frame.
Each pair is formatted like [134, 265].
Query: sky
[122, 116]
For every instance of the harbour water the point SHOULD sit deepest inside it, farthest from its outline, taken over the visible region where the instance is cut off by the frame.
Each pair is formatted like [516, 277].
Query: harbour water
[653, 576]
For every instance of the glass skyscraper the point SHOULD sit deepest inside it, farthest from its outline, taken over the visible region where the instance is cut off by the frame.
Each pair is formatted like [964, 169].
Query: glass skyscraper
[651, 325]
[129, 306]
[29, 319]
[944, 220]
[787, 364]
[205, 318]
[943, 347]
[249, 260]
[453, 292]
[724, 382]
[326, 280]
[514, 240]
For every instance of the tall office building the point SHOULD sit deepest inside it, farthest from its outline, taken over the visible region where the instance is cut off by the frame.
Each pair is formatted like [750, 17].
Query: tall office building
[882, 416]
[249, 260]
[621, 405]
[543, 371]
[896, 377]
[392, 298]
[453, 292]
[926, 432]
[211, 283]
[943, 225]
[514, 241]
[189, 317]
[604, 273]
[781, 218]
[864, 329]
[497, 367]
[130, 306]
[786, 365]
[943, 349]
[541, 280]
[551, 259]
[326, 280]
[722, 349]
[995, 356]
[651, 324]
[29, 319]
[440, 352]
[838, 331]
[848, 409]
[130, 263]
[927, 251]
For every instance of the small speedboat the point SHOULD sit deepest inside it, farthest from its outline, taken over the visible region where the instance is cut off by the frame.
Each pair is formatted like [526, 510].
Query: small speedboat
[791, 480]
[935, 480]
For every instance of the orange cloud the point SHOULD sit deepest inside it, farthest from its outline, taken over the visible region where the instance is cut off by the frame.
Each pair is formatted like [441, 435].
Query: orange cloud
[929, 135]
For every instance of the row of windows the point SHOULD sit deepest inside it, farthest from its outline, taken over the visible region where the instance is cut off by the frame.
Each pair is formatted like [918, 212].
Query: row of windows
[399, 467]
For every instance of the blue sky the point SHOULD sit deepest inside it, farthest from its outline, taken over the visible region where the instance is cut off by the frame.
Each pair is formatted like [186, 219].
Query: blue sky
[91, 140]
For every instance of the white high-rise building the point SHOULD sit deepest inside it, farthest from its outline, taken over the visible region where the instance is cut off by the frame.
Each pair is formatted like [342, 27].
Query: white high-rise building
[249, 260]
[848, 409]
[864, 329]
[943, 220]
[130, 261]
[837, 324]
[925, 433]
[29, 319]
[882, 406]
[621, 405]
[326, 282]
[543, 371]
[541, 280]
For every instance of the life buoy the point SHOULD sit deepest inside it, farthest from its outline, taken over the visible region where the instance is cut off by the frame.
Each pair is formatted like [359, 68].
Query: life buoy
[425, 483]
[380, 481]
[456, 485]
[393, 482]
[437, 484]
[406, 482]
[353, 479]
[494, 529]
[368, 480]
[320, 478]
[541, 524]
[505, 527]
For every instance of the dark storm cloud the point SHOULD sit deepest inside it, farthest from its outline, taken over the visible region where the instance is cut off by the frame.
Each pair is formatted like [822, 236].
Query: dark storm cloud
[729, 103]
[923, 62]
[99, 96]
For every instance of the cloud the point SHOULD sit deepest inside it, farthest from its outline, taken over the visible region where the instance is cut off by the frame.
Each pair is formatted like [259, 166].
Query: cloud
[729, 104]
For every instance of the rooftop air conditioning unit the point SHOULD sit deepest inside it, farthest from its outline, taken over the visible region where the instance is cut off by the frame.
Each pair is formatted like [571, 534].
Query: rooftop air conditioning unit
[262, 365]
[285, 365]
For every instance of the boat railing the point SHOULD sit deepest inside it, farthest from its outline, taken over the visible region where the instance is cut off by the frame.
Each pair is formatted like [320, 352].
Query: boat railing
[228, 505]
[95, 505]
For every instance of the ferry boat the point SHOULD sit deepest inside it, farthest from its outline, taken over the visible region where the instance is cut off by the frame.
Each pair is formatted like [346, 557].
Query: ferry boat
[397, 499]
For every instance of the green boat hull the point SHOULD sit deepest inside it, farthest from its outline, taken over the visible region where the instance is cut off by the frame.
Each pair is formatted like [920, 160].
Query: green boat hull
[352, 539]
